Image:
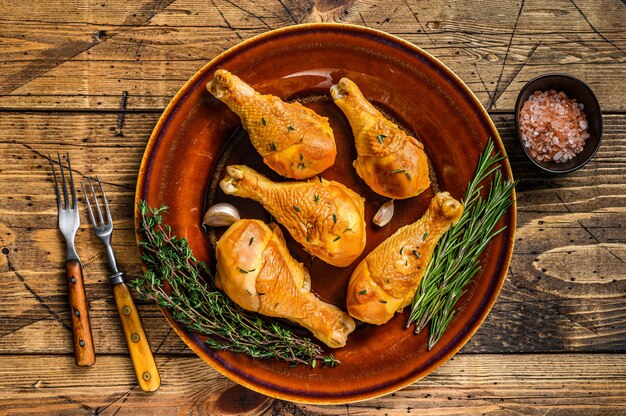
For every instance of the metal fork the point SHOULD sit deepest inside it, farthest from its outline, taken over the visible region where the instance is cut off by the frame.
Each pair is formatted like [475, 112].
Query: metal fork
[140, 353]
[69, 220]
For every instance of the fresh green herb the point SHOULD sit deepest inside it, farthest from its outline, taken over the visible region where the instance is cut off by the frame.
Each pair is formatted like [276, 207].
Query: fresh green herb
[184, 286]
[424, 236]
[316, 198]
[408, 175]
[313, 363]
[456, 257]
[335, 218]
[406, 263]
[290, 128]
[347, 229]
[301, 157]
[416, 253]
[320, 178]
[401, 250]
[263, 121]
[273, 146]
[337, 238]
[301, 165]
[251, 240]
[398, 170]
[381, 138]
[297, 208]
[244, 270]
[382, 301]
[363, 292]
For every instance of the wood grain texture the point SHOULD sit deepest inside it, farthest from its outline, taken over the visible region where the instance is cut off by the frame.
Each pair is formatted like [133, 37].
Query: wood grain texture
[489, 384]
[554, 343]
[84, 57]
[569, 227]
[84, 353]
[146, 370]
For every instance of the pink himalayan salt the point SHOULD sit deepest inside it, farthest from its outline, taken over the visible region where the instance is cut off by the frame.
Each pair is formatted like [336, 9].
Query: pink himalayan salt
[553, 127]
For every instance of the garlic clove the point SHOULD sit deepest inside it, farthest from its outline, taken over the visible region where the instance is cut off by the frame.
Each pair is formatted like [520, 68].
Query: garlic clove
[384, 214]
[221, 215]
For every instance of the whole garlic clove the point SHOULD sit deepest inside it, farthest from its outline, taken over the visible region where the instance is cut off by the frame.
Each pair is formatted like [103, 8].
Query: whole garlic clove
[384, 214]
[221, 215]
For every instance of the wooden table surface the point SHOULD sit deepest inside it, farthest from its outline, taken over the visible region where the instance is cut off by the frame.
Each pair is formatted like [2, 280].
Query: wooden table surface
[555, 342]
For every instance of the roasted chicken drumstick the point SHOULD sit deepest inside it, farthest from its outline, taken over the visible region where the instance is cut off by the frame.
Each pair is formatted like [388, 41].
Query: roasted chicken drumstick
[293, 140]
[326, 217]
[391, 163]
[386, 280]
[257, 272]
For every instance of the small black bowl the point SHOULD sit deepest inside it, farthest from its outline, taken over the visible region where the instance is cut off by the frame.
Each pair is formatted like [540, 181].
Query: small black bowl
[574, 88]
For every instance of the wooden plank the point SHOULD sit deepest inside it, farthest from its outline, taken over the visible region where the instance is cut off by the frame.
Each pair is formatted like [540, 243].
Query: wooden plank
[468, 384]
[569, 227]
[81, 57]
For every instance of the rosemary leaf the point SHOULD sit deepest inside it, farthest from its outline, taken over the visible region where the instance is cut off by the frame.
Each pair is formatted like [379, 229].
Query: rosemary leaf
[456, 258]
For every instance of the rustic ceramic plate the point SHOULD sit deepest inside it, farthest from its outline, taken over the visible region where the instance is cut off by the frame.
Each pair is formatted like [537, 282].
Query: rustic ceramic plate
[197, 135]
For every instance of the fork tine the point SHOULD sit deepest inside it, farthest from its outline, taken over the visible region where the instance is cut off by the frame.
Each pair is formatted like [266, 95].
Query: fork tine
[56, 184]
[95, 197]
[67, 198]
[69, 166]
[89, 210]
[106, 202]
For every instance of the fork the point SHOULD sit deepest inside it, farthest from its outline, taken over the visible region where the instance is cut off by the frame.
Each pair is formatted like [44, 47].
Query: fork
[69, 220]
[140, 353]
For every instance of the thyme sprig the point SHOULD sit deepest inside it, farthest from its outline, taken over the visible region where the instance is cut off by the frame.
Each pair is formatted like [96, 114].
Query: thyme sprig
[456, 257]
[174, 279]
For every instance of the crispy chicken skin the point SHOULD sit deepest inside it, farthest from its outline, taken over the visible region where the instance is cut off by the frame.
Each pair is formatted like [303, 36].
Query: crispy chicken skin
[386, 280]
[326, 217]
[392, 163]
[293, 140]
[257, 272]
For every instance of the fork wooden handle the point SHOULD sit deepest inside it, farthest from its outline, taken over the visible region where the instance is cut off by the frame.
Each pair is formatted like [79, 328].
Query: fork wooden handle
[84, 353]
[140, 353]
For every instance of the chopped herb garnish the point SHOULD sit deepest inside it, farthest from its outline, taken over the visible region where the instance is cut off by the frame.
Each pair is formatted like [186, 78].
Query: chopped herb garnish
[320, 178]
[406, 263]
[316, 198]
[263, 121]
[313, 363]
[251, 240]
[273, 146]
[380, 138]
[398, 170]
[382, 301]
[290, 128]
[297, 208]
[301, 165]
[408, 175]
[347, 229]
[335, 218]
[416, 253]
[424, 236]
[301, 157]
[249, 293]
[244, 270]
[337, 238]
[363, 292]
[401, 250]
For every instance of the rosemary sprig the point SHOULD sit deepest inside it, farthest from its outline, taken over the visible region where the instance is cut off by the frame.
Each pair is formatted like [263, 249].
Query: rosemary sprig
[456, 257]
[174, 279]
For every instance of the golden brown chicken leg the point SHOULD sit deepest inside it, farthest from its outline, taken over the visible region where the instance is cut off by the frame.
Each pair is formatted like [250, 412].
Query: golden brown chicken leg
[257, 272]
[391, 162]
[387, 279]
[324, 216]
[293, 140]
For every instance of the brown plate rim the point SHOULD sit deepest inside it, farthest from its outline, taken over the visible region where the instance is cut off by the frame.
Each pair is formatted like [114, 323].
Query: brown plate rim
[459, 342]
